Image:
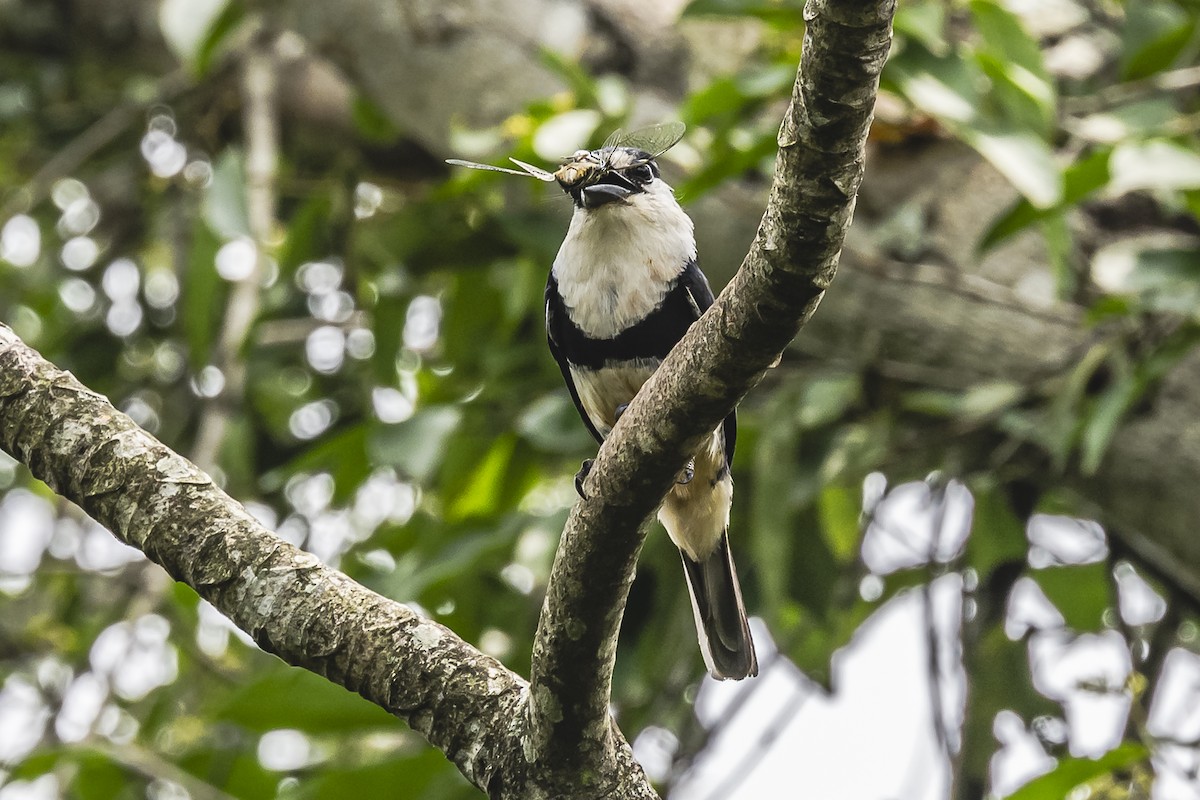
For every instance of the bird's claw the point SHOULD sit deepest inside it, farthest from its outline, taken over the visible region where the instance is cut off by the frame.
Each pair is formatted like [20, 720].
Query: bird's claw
[584, 470]
[687, 473]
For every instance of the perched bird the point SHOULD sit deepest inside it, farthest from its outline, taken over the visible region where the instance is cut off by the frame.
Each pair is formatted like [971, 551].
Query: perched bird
[623, 289]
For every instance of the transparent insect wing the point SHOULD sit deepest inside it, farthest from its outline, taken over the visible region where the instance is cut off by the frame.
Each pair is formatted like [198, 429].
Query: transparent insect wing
[613, 141]
[654, 139]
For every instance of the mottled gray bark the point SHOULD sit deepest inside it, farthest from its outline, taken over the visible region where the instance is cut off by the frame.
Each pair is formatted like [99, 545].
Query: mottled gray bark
[780, 283]
[465, 703]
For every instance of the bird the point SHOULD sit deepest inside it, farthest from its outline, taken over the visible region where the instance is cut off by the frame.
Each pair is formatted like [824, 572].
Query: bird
[623, 289]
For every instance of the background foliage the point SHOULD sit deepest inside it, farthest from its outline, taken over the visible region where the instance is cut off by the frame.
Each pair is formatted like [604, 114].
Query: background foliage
[400, 417]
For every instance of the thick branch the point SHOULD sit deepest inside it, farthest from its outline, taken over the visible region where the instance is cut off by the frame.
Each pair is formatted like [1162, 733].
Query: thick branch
[781, 281]
[466, 704]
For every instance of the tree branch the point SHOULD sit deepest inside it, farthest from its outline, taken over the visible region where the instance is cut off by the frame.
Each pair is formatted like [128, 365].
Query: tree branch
[260, 119]
[291, 604]
[776, 290]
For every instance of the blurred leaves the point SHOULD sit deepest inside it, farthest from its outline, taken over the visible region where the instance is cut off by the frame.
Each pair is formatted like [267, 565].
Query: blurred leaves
[442, 473]
[269, 703]
[415, 446]
[1073, 772]
[1080, 592]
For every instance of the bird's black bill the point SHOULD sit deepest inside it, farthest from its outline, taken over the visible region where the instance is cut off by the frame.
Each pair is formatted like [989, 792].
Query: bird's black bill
[603, 193]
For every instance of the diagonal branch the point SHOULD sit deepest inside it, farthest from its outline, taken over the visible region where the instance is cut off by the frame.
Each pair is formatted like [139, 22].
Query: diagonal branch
[780, 283]
[465, 703]
[292, 605]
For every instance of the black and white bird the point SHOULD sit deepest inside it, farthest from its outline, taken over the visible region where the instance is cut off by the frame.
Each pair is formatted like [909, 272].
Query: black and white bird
[623, 290]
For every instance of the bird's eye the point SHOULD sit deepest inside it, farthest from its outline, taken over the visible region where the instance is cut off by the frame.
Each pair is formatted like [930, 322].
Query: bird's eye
[641, 173]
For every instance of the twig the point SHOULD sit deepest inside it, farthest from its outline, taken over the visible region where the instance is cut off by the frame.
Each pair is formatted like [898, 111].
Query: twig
[151, 765]
[1172, 81]
[261, 122]
[937, 497]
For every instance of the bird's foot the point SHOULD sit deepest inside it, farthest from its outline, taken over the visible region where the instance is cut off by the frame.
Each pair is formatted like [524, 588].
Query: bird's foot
[584, 470]
[687, 473]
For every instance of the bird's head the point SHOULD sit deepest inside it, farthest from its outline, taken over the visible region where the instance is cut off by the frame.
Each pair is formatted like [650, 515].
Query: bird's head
[621, 174]
[610, 176]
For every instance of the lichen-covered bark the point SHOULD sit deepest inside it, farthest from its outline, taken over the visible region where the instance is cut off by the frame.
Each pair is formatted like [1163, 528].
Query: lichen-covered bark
[464, 702]
[788, 268]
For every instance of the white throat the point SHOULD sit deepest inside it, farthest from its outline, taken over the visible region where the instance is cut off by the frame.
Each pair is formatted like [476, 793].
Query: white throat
[617, 261]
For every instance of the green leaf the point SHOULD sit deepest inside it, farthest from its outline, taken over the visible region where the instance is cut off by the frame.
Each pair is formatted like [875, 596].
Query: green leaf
[1153, 36]
[99, 778]
[980, 402]
[1024, 158]
[1081, 593]
[224, 205]
[1138, 119]
[371, 121]
[552, 424]
[986, 400]
[925, 22]
[38, 763]
[727, 163]
[1011, 58]
[425, 774]
[793, 566]
[290, 697]
[826, 398]
[1157, 165]
[1060, 248]
[203, 296]
[998, 536]
[415, 446]
[308, 233]
[342, 454]
[483, 492]
[448, 556]
[811, 641]
[1003, 35]
[579, 79]
[1000, 679]
[838, 507]
[1073, 772]
[1104, 420]
[218, 32]
[1080, 180]
[941, 85]
[187, 25]
[780, 10]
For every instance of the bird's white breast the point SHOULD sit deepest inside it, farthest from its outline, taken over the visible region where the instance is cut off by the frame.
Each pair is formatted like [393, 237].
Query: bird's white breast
[617, 262]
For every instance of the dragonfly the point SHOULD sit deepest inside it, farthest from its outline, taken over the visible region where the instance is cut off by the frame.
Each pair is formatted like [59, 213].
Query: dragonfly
[585, 165]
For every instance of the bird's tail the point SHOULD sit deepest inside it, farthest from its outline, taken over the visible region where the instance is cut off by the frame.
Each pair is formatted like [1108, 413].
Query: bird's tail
[720, 615]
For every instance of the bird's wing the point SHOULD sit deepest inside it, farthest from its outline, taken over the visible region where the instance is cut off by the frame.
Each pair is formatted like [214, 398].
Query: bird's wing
[697, 287]
[556, 322]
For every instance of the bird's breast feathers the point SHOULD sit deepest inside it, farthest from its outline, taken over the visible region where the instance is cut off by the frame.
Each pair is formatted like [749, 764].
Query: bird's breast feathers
[617, 264]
